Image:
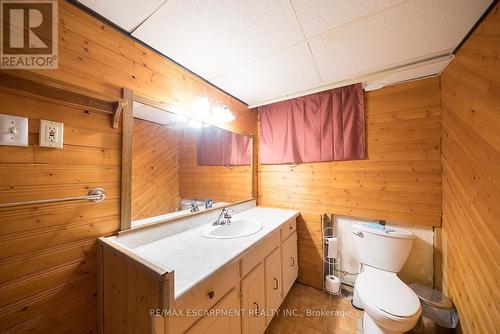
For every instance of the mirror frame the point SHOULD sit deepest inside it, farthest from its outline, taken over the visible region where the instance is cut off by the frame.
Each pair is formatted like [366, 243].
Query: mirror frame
[126, 178]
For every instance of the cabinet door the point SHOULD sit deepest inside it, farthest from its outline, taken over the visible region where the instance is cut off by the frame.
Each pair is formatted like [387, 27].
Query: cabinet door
[274, 295]
[289, 262]
[227, 322]
[253, 302]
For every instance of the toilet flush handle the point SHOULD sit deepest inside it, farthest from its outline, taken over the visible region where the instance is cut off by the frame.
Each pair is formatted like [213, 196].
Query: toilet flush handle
[358, 233]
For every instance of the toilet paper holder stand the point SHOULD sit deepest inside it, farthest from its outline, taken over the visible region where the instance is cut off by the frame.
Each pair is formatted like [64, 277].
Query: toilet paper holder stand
[329, 264]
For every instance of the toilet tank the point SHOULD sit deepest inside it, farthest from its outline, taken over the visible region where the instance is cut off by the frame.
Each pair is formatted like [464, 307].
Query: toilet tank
[383, 247]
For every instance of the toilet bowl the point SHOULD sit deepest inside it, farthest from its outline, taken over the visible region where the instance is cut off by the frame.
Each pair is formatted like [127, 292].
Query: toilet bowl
[390, 305]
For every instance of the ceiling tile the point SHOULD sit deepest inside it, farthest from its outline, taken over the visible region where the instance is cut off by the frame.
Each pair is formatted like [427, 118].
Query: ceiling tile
[286, 72]
[127, 14]
[322, 15]
[214, 37]
[401, 34]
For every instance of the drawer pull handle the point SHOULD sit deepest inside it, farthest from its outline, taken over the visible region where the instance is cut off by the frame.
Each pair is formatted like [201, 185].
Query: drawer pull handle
[257, 310]
[211, 294]
[275, 283]
[292, 261]
[290, 227]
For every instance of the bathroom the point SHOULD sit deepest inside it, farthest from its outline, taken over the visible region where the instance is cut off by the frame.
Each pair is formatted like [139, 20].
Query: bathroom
[284, 166]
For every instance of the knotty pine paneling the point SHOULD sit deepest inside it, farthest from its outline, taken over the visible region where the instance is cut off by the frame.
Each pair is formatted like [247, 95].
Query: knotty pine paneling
[399, 181]
[47, 252]
[470, 99]
[155, 170]
[219, 183]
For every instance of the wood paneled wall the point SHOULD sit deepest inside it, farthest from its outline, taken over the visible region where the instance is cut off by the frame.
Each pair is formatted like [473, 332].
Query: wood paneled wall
[219, 183]
[47, 253]
[399, 181]
[155, 170]
[471, 178]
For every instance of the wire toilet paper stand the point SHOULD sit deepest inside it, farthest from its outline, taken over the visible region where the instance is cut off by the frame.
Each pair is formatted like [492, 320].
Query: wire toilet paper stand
[329, 264]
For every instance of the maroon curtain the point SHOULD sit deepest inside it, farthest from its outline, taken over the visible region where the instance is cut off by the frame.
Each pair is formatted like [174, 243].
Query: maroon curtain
[218, 147]
[241, 150]
[325, 126]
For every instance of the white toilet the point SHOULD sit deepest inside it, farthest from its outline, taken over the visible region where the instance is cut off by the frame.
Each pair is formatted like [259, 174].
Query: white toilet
[390, 305]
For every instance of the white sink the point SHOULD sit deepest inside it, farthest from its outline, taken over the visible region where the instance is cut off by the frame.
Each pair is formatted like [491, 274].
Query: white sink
[237, 229]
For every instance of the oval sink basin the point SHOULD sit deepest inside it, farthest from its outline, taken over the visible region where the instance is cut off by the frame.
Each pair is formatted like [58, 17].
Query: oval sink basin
[237, 229]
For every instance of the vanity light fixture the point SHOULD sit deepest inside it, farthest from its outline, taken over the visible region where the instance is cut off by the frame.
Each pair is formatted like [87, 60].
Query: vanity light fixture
[201, 107]
[216, 113]
[221, 114]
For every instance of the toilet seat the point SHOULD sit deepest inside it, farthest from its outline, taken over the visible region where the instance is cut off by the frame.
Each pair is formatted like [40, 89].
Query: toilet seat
[388, 300]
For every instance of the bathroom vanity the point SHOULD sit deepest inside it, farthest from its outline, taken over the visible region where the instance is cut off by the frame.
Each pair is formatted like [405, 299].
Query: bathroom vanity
[172, 278]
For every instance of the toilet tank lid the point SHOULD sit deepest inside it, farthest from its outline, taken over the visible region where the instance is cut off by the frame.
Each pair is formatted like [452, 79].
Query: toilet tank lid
[385, 230]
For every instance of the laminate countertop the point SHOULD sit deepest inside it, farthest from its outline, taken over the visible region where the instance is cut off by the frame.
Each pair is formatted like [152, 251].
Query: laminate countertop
[194, 257]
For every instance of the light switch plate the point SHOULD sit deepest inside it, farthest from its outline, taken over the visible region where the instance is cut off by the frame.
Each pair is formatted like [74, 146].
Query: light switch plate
[13, 130]
[51, 134]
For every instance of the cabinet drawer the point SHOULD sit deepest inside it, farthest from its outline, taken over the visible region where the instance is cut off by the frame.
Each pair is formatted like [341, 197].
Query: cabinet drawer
[204, 295]
[288, 228]
[258, 252]
[227, 322]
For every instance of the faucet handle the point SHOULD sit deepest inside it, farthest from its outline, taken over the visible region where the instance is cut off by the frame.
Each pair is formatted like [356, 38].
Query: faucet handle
[226, 213]
[194, 207]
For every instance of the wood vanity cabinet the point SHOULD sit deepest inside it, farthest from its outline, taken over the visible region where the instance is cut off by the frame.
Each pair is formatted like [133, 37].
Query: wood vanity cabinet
[245, 290]
[253, 301]
[289, 262]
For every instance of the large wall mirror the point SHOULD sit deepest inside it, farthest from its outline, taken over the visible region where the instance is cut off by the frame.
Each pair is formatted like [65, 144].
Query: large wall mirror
[181, 165]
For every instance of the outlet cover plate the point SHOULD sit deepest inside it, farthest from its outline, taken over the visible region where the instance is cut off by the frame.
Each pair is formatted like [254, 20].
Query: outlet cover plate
[13, 130]
[51, 134]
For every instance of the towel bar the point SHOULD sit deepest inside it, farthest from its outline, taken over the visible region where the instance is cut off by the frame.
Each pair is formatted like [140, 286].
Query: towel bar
[95, 195]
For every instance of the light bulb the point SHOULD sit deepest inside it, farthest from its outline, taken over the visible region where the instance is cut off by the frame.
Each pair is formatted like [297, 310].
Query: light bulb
[201, 107]
[222, 114]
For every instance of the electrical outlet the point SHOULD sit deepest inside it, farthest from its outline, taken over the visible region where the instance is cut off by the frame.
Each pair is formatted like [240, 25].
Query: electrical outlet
[51, 134]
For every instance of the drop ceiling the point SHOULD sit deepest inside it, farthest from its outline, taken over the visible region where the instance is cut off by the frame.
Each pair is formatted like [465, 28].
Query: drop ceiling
[262, 51]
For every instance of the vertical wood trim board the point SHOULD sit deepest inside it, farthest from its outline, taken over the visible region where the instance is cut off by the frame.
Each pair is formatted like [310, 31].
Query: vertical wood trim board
[399, 181]
[126, 182]
[470, 97]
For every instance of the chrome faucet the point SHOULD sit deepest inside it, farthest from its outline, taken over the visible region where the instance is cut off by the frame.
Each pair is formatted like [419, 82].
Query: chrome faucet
[224, 217]
[194, 207]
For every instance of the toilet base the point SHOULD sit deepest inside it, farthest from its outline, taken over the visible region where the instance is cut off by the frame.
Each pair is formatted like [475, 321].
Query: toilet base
[371, 327]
